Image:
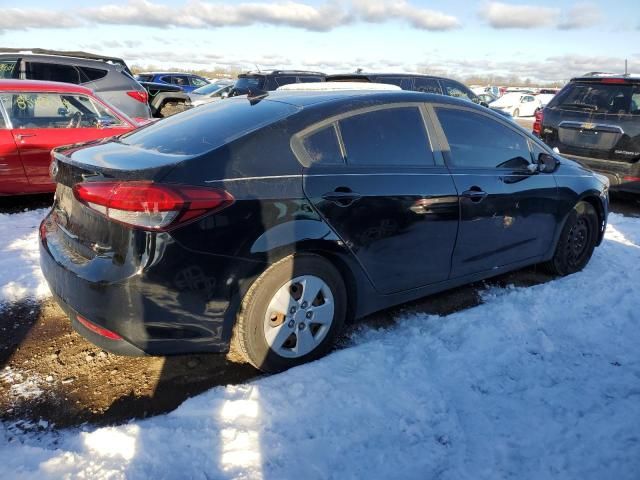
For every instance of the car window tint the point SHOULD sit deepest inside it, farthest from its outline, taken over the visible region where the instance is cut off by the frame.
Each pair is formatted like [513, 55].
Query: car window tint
[454, 89]
[144, 77]
[477, 141]
[285, 80]
[6, 68]
[613, 98]
[635, 101]
[427, 85]
[322, 146]
[180, 80]
[166, 79]
[201, 130]
[56, 110]
[53, 72]
[309, 79]
[393, 136]
[92, 74]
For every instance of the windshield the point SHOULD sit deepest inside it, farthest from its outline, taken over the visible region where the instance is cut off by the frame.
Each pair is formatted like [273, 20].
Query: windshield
[244, 84]
[612, 98]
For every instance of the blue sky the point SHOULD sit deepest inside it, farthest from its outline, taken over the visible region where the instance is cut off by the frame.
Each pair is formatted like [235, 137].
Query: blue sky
[543, 40]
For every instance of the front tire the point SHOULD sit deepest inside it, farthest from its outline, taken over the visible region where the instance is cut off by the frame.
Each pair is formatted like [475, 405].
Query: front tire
[291, 314]
[577, 241]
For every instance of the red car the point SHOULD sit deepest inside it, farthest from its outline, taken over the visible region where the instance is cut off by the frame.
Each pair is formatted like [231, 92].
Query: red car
[36, 117]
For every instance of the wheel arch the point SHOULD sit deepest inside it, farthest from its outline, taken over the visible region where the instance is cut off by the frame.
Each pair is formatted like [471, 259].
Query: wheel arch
[594, 199]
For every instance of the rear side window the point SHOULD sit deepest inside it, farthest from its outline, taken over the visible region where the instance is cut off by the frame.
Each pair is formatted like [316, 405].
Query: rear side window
[53, 72]
[427, 85]
[322, 146]
[477, 141]
[309, 79]
[7, 67]
[201, 130]
[92, 74]
[610, 98]
[180, 80]
[393, 136]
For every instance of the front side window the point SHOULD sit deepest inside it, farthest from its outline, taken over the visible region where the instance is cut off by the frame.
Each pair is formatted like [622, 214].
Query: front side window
[477, 141]
[322, 146]
[180, 80]
[53, 72]
[454, 89]
[393, 137]
[56, 110]
[7, 67]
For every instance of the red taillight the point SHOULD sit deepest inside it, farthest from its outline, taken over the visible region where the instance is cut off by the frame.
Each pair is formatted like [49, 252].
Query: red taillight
[103, 332]
[629, 178]
[537, 123]
[149, 205]
[614, 80]
[139, 95]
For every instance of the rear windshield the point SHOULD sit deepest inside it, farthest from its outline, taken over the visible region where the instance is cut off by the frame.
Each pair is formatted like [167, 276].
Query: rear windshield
[205, 128]
[609, 98]
[244, 84]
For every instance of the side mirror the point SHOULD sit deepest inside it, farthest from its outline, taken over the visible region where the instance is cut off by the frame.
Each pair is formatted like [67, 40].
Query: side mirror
[224, 95]
[484, 104]
[547, 163]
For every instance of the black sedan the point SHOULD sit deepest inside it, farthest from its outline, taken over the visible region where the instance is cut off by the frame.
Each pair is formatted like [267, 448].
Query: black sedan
[269, 222]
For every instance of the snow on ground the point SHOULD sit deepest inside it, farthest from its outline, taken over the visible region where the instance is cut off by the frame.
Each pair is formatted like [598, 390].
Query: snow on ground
[20, 275]
[539, 382]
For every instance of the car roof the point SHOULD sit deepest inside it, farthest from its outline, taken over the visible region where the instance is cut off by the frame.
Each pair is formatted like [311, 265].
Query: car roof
[255, 73]
[597, 76]
[170, 73]
[67, 59]
[384, 74]
[42, 86]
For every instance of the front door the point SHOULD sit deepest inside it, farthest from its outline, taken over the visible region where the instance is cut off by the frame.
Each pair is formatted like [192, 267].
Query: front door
[13, 180]
[507, 208]
[373, 178]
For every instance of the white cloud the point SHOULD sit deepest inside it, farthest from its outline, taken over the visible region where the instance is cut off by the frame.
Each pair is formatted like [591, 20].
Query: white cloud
[581, 15]
[421, 18]
[502, 15]
[24, 18]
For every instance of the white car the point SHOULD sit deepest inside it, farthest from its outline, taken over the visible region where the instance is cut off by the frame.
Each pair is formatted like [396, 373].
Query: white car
[517, 104]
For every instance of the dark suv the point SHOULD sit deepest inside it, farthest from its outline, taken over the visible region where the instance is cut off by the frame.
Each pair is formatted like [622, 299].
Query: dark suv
[187, 82]
[595, 120]
[252, 82]
[413, 81]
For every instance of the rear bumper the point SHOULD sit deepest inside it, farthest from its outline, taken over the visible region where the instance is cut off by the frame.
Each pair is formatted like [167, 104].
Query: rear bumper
[170, 304]
[616, 172]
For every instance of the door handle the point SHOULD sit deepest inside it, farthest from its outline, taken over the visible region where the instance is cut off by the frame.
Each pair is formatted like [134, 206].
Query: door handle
[20, 136]
[475, 194]
[342, 197]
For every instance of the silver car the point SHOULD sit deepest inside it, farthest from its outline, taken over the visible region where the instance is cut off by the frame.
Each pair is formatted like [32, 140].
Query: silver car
[112, 81]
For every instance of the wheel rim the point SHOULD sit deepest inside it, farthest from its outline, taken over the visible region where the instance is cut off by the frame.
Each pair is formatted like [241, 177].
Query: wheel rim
[299, 316]
[578, 241]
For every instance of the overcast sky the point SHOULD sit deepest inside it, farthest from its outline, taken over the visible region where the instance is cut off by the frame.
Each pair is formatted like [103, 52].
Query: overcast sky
[543, 40]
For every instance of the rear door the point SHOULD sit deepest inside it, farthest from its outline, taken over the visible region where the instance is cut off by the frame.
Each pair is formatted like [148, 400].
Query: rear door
[374, 178]
[507, 211]
[44, 120]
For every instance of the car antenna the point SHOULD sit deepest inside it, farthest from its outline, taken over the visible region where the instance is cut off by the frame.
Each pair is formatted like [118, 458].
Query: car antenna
[258, 68]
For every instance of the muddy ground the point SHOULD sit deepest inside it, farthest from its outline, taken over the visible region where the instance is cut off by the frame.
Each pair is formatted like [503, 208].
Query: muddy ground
[49, 375]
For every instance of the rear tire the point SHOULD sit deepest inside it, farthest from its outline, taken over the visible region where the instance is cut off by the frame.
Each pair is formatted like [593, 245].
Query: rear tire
[577, 241]
[291, 314]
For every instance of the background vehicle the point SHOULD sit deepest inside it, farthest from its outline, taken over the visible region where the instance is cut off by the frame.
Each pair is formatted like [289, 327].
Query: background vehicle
[276, 219]
[487, 98]
[186, 81]
[38, 116]
[596, 120]
[516, 104]
[108, 77]
[267, 81]
[209, 93]
[165, 99]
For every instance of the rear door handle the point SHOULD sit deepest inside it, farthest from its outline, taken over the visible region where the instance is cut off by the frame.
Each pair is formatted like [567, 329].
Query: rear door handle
[475, 194]
[343, 198]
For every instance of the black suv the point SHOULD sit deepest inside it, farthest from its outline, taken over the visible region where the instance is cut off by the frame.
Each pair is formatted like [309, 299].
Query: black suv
[253, 82]
[595, 120]
[413, 81]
